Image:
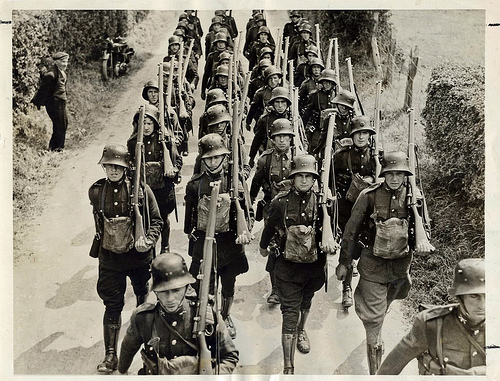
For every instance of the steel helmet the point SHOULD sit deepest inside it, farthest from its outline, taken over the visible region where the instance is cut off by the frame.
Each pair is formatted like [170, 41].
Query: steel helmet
[151, 111]
[258, 16]
[217, 114]
[304, 164]
[318, 62]
[169, 272]
[312, 49]
[305, 27]
[271, 70]
[182, 24]
[265, 63]
[151, 84]
[212, 145]
[279, 92]
[282, 126]
[345, 97]
[183, 16]
[179, 32]
[220, 36]
[264, 29]
[395, 161]
[216, 96]
[361, 123]
[469, 277]
[222, 71]
[115, 154]
[175, 39]
[225, 55]
[220, 12]
[216, 20]
[328, 75]
[266, 50]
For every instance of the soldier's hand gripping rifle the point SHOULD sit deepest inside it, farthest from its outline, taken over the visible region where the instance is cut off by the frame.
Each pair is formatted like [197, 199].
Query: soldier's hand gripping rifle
[358, 108]
[139, 235]
[205, 357]
[415, 196]
[168, 167]
[376, 141]
[243, 235]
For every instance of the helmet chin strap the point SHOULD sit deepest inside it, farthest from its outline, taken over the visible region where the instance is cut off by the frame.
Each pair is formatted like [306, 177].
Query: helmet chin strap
[180, 302]
[465, 313]
[216, 169]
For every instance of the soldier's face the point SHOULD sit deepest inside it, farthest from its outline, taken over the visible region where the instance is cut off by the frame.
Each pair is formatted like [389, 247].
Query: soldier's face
[222, 79]
[273, 81]
[343, 109]
[263, 37]
[361, 139]
[216, 27]
[266, 56]
[214, 163]
[152, 95]
[327, 85]
[114, 172]
[280, 105]
[316, 70]
[221, 45]
[171, 299]
[394, 179]
[295, 19]
[282, 142]
[149, 126]
[174, 48]
[305, 35]
[303, 181]
[474, 304]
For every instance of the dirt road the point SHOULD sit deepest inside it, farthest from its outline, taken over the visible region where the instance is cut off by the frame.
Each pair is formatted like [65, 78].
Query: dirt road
[58, 314]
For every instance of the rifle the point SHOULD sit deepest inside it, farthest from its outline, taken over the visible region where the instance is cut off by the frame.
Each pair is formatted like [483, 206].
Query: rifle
[139, 163]
[337, 69]
[205, 359]
[376, 154]
[186, 61]
[285, 55]
[241, 225]
[298, 147]
[180, 85]
[230, 85]
[279, 50]
[422, 233]
[244, 98]
[328, 63]
[352, 87]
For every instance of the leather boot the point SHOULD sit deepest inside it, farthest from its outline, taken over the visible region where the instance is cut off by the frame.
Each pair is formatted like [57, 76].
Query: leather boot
[303, 344]
[288, 344]
[141, 299]
[374, 354]
[347, 297]
[225, 310]
[273, 297]
[111, 330]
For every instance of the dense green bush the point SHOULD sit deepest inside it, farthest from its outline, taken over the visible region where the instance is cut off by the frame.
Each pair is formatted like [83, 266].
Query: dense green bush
[39, 34]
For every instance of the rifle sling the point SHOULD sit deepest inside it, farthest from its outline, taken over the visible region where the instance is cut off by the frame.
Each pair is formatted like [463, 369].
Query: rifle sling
[171, 329]
[473, 341]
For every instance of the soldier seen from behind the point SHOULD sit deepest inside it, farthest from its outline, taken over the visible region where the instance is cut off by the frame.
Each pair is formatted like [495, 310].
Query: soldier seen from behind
[294, 223]
[448, 340]
[167, 328]
[121, 254]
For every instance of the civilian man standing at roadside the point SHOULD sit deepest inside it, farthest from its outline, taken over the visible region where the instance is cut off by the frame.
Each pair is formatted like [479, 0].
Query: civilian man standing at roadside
[52, 95]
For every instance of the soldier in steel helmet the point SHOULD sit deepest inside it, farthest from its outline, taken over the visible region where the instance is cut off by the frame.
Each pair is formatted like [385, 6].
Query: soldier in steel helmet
[214, 97]
[174, 53]
[294, 223]
[311, 83]
[448, 340]
[272, 76]
[344, 102]
[300, 74]
[52, 94]
[257, 78]
[354, 171]
[195, 20]
[151, 93]
[220, 45]
[170, 322]
[291, 29]
[279, 107]
[273, 169]
[161, 183]
[120, 254]
[264, 40]
[297, 51]
[253, 34]
[380, 214]
[319, 100]
[231, 259]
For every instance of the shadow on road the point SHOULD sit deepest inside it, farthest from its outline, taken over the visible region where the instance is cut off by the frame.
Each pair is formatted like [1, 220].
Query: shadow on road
[353, 363]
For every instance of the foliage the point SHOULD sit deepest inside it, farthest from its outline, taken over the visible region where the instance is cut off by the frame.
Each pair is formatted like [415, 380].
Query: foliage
[39, 34]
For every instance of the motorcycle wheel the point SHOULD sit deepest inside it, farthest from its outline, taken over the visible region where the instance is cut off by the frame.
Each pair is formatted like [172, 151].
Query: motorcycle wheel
[106, 70]
[117, 70]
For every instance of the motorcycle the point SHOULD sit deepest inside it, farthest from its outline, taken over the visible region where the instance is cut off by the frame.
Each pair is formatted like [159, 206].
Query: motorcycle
[116, 55]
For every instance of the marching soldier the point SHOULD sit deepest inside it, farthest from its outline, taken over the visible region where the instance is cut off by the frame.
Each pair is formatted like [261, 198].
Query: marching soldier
[253, 33]
[174, 46]
[150, 92]
[263, 41]
[231, 259]
[193, 19]
[291, 29]
[120, 254]
[311, 84]
[171, 320]
[354, 171]
[258, 80]
[299, 47]
[273, 169]
[318, 101]
[279, 107]
[301, 256]
[272, 76]
[214, 97]
[448, 340]
[220, 44]
[161, 183]
[344, 102]
[380, 213]
[301, 72]
[212, 32]
[228, 22]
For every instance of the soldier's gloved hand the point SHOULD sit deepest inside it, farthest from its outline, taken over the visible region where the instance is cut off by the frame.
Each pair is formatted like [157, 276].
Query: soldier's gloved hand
[341, 272]
[264, 252]
[178, 365]
[151, 366]
[142, 245]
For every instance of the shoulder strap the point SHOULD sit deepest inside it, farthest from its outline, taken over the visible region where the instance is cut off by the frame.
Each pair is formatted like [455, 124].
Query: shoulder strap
[439, 344]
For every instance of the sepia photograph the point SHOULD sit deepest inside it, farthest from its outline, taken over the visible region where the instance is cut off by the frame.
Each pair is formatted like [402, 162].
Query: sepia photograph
[253, 193]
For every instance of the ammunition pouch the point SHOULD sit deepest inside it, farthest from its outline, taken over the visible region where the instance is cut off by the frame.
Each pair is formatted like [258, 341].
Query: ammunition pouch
[154, 174]
[300, 245]
[222, 217]
[357, 185]
[118, 234]
[391, 238]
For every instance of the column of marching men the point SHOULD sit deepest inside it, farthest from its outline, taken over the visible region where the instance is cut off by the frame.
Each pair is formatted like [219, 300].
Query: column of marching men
[326, 187]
